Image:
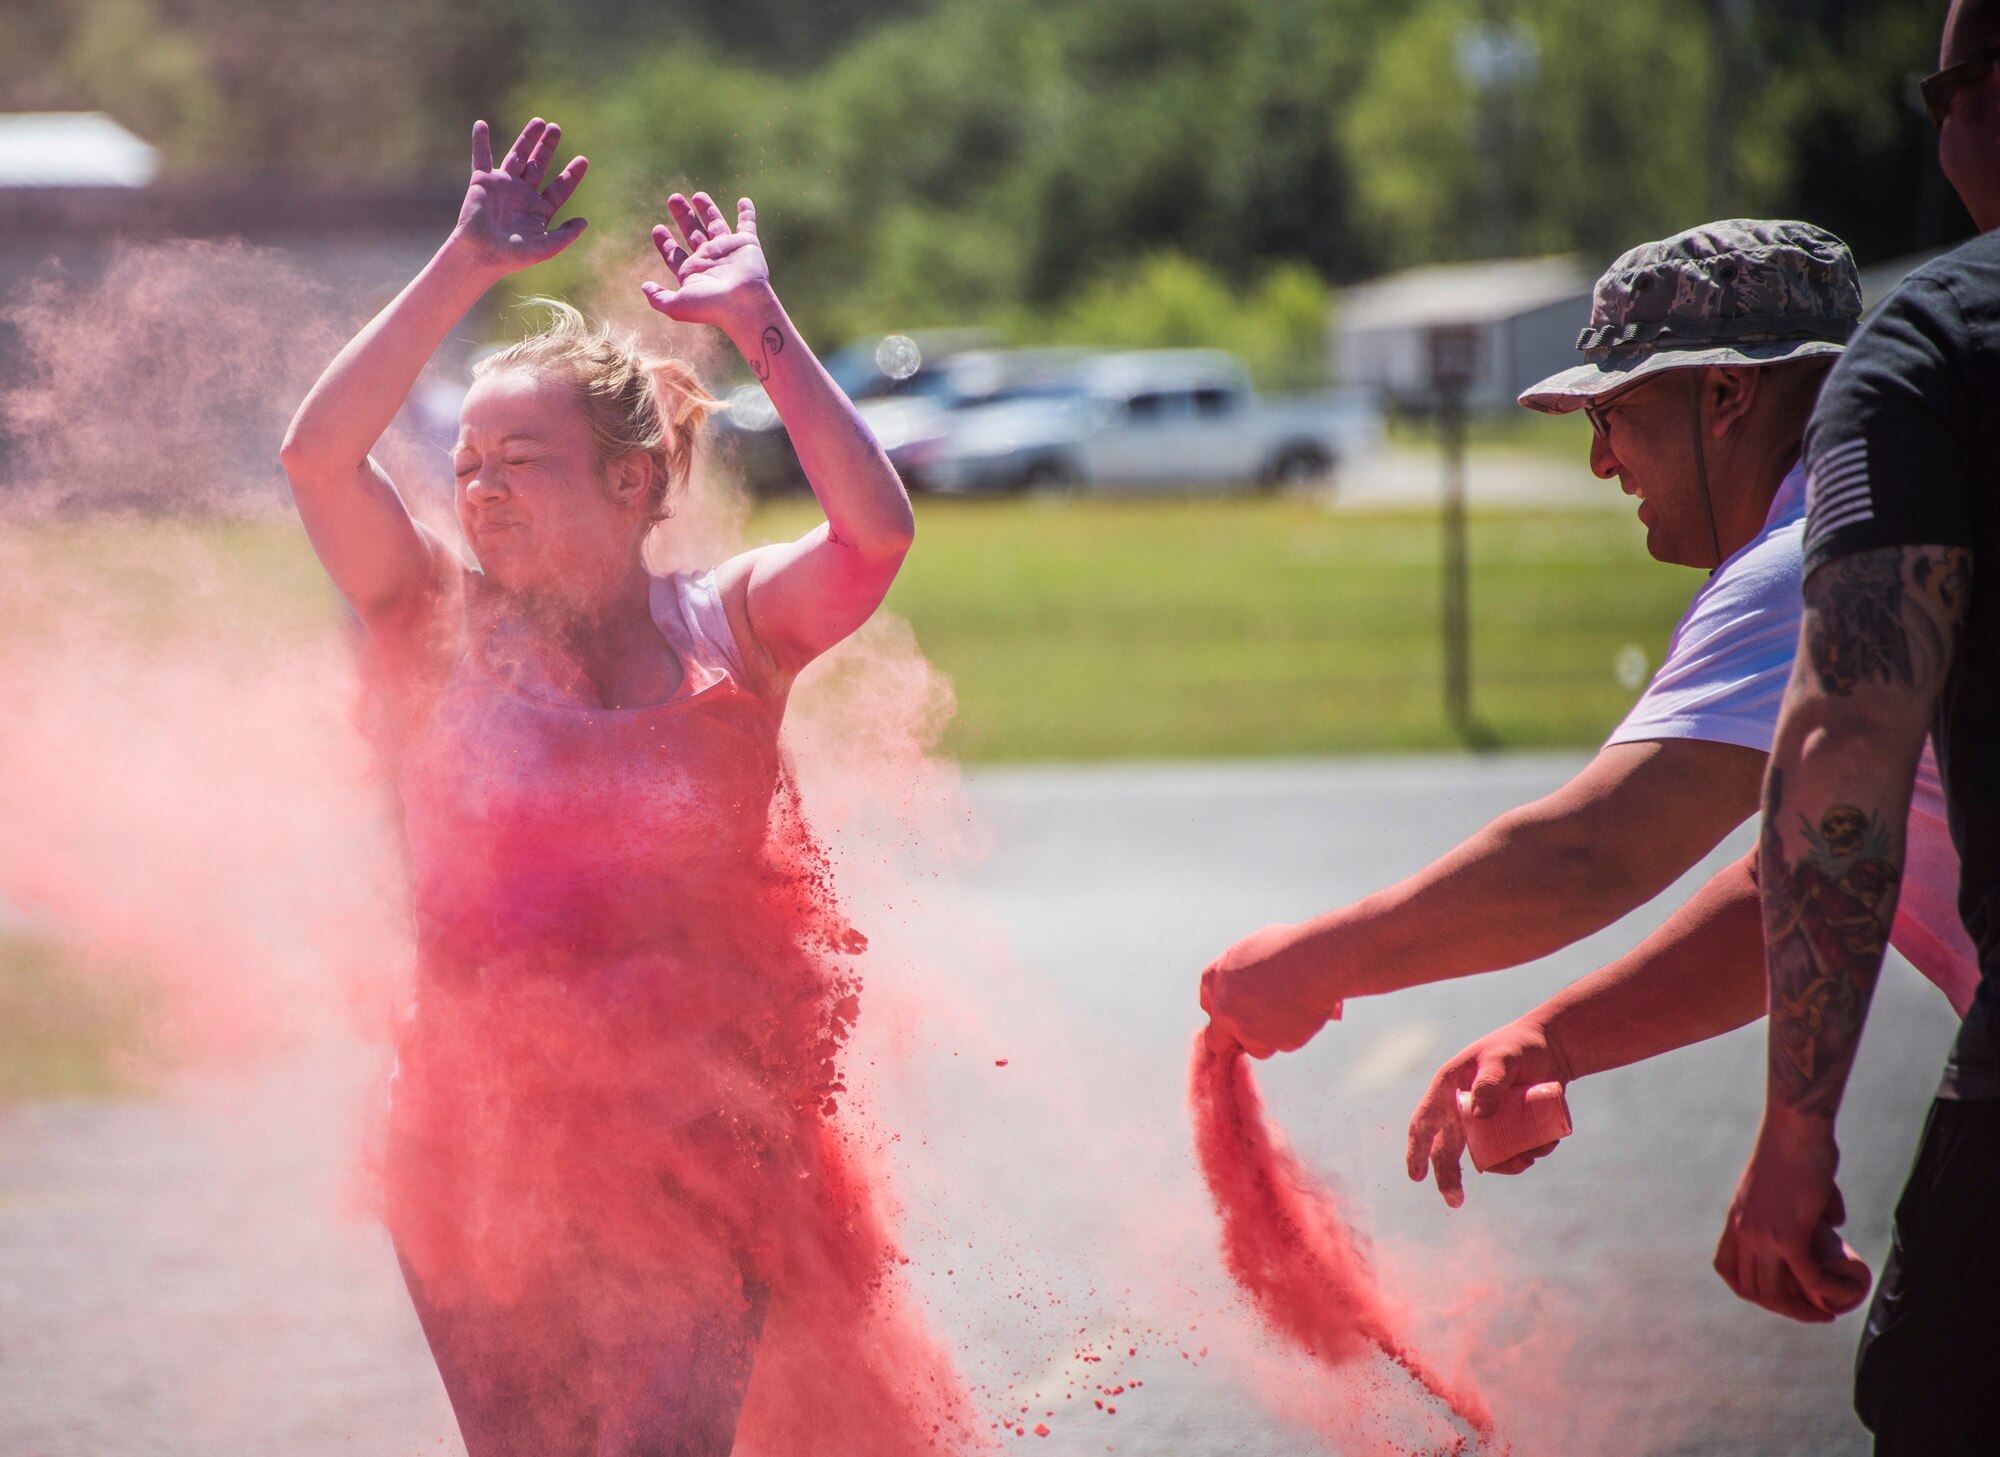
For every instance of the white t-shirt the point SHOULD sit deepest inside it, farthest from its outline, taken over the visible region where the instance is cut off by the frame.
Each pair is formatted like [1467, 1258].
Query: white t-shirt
[1724, 680]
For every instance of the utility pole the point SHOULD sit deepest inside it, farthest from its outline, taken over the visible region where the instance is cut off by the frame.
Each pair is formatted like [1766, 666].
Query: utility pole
[1457, 353]
[1726, 73]
[1498, 57]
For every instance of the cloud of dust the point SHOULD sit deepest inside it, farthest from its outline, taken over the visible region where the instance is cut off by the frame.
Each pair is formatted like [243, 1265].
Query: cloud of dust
[160, 386]
[185, 789]
[177, 771]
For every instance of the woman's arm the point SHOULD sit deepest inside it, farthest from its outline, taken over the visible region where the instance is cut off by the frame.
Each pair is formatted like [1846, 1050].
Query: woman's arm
[380, 561]
[800, 598]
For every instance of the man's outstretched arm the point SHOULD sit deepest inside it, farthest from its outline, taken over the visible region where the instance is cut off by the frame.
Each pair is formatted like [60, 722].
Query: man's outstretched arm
[1531, 882]
[1701, 974]
[1879, 635]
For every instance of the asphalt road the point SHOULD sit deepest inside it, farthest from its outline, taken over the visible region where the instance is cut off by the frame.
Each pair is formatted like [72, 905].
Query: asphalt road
[183, 1275]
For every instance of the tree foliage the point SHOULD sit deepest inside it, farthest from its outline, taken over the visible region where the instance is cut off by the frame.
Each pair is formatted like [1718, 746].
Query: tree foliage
[1122, 167]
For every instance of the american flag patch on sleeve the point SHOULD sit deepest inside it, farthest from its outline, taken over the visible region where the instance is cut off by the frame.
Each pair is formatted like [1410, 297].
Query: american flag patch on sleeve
[1837, 492]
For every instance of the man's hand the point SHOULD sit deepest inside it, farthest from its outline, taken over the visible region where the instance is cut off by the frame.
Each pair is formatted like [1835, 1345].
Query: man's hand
[1267, 993]
[722, 276]
[1779, 1246]
[504, 221]
[1518, 1054]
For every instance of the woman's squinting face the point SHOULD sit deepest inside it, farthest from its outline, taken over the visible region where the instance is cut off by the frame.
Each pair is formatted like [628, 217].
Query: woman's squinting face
[535, 501]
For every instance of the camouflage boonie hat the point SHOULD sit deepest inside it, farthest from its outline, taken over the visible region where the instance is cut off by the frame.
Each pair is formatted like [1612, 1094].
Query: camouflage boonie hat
[1738, 292]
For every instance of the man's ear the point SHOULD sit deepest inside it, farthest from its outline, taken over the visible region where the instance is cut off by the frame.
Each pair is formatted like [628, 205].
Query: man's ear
[1732, 393]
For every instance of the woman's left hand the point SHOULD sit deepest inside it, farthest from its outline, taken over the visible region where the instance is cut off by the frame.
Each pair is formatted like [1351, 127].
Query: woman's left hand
[721, 270]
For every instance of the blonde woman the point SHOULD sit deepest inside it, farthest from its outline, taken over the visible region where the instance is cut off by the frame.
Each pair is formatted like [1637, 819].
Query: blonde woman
[610, 1147]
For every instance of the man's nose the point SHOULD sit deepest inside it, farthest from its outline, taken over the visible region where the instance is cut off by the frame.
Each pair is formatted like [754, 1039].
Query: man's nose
[1603, 463]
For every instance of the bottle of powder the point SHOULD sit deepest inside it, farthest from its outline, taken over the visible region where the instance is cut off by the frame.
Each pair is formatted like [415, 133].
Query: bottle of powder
[1527, 1117]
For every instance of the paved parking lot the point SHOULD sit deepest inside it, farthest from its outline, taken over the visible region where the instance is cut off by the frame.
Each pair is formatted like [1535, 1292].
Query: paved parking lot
[179, 1276]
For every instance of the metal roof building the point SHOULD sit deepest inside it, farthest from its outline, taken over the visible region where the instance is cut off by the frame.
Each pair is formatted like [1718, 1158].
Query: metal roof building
[1528, 312]
[79, 198]
[72, 149]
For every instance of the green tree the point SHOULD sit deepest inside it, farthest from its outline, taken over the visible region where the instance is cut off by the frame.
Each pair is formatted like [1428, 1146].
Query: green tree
[1169, 301]
[1606, 144]
[1038, 164]
[1835, 129]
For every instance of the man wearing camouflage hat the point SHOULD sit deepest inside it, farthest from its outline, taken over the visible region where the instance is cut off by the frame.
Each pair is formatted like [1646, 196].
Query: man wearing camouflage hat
[1703, 358]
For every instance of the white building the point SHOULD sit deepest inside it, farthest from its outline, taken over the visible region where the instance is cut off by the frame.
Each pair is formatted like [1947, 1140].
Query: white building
[78, 192]
[1527, 312]
[72, 149]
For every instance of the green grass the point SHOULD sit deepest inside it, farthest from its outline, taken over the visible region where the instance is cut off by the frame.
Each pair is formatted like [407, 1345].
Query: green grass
[1073, 628]
[1081, 629]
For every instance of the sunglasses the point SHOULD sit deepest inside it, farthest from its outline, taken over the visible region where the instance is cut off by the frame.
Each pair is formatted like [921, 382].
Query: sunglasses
[1939, 89]
[1598, 411]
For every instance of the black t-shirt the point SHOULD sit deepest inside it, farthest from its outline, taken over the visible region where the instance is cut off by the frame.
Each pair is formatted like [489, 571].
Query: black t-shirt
[1904, 450]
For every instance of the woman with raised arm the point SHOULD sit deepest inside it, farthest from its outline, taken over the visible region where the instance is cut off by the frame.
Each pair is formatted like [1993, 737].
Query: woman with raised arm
[610, 1147]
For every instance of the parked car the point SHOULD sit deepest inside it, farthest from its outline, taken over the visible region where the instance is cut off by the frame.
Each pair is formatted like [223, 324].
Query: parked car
[1159, 419]
[913, 426]
[874, 373]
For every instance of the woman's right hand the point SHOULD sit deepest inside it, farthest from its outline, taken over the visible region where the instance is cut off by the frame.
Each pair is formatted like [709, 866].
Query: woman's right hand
[504, 222]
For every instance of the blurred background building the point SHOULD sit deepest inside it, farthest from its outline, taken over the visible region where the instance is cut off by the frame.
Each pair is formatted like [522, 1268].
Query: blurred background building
[1527, 311]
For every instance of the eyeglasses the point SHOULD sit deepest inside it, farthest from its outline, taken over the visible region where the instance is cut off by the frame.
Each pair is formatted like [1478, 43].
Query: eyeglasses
[1598, 412]
[1940, 89]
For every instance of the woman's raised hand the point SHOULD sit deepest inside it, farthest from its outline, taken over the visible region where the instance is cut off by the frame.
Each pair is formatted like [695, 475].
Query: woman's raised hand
[505, 219]
[720, 269]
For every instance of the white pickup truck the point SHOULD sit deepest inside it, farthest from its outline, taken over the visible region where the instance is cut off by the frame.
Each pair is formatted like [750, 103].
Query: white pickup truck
[1156, 419]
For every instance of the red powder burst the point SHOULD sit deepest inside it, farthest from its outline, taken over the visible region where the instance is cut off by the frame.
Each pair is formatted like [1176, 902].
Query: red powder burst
[1285, 1242]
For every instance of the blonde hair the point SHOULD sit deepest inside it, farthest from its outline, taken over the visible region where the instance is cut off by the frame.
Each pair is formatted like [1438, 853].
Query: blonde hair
[632, 401]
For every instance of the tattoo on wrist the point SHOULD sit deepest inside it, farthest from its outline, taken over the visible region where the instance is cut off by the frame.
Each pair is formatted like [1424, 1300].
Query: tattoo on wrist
[770, 344]
[1826, 924]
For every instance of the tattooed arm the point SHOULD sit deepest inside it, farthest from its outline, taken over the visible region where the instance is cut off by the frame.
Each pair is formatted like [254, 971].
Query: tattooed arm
[789, 603]
[1877, 643]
